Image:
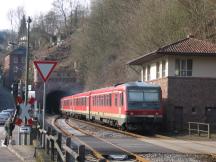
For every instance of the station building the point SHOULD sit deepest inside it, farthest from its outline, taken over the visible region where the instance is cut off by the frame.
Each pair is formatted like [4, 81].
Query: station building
[186, 72]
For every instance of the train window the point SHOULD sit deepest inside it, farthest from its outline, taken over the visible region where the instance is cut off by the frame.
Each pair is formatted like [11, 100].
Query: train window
[151, 96]
[94, 101]
[110, 99]
[106, 100]
[116, 99]
[100, 100]
[122, 99]
[136, 96]
[97, 101]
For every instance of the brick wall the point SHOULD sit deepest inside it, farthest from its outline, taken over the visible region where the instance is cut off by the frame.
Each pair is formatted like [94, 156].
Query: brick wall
[186, 99]
[191, 93]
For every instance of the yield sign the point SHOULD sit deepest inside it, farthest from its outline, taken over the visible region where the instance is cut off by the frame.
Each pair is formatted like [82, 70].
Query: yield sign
[45, 68]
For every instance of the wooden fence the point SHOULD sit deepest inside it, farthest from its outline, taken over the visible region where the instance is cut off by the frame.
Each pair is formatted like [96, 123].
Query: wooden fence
[55, 148]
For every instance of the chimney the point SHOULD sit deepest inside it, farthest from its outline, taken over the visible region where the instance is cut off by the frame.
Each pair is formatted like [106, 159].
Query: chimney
[190, 36]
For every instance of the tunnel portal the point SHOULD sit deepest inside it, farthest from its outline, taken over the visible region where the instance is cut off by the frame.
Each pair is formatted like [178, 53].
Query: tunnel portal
[53, 101]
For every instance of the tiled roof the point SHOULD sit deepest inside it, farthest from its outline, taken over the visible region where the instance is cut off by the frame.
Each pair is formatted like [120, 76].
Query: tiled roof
[188, 46]
[19, 51]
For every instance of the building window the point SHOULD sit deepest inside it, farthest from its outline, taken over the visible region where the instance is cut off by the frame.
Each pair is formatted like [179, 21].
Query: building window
[193, 110]
[23, 59]
[15, 60]
[148, 72]
[163, 68]
[157, 70]
[183, 67]
[15, 69]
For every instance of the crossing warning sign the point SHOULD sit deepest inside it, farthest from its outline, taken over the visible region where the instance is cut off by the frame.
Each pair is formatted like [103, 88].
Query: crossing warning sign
[45, 68]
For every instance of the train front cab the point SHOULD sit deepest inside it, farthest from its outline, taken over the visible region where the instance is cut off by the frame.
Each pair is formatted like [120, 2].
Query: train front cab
[144, 108]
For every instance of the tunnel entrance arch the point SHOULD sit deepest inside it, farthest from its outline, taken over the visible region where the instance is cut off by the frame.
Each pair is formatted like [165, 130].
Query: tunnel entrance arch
[53, 101]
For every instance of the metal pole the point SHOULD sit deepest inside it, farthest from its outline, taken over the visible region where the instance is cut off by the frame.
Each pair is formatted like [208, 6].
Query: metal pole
[44, 104]
[27, 62]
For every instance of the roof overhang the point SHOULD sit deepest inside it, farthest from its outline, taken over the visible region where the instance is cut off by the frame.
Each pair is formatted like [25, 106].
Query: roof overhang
[144, 58]
[156, 54]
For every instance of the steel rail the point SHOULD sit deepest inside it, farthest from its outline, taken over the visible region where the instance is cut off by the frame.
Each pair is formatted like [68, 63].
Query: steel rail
[137, 157]
[95, 153]
[123, 132]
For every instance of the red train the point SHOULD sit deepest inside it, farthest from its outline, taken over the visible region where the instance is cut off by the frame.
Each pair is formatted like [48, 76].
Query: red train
[131, 106]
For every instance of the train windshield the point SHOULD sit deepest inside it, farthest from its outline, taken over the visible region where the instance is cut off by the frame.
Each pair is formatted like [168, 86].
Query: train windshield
[143, 98]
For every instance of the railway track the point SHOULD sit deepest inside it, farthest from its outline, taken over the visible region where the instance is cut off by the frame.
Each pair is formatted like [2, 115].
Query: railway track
[104, 149]
[138, 136]
[116, 145]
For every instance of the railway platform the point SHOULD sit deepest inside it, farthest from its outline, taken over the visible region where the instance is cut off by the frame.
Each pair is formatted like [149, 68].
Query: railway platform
[22, 152]
[15, 153]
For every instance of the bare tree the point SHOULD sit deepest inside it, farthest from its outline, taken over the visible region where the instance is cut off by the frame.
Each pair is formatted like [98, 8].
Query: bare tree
[15, 16]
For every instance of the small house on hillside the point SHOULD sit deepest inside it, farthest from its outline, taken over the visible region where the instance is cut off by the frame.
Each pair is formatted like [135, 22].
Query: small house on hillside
[14, 66]
[186, 72]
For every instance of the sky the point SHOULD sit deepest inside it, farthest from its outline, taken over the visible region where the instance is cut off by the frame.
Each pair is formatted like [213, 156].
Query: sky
[31, 7]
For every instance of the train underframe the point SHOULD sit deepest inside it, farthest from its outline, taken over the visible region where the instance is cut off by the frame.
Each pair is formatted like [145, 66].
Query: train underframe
[131, 123]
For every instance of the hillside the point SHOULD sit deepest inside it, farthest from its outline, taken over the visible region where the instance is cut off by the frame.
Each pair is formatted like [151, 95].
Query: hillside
[117, 31]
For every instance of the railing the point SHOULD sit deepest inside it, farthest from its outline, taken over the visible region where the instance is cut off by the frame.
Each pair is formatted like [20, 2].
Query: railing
[54, 146]
[198, 128]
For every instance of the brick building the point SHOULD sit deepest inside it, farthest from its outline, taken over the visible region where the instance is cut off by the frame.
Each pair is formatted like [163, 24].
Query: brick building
[186, 72]
[14, 66]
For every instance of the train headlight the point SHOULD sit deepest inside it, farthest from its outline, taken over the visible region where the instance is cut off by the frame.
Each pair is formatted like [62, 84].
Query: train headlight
[156, 113]
[131, 113]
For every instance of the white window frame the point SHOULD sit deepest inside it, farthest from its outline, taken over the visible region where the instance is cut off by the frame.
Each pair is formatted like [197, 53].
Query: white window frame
[148, 72]
[163, 68]
[183, 68]
[157, 70]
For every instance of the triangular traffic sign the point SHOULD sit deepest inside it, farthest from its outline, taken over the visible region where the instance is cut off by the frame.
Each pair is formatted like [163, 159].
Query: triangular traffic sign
[45, 68]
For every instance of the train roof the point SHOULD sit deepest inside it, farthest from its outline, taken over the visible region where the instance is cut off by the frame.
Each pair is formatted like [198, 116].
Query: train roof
[140, 84]
[117, 86]
[128, 84]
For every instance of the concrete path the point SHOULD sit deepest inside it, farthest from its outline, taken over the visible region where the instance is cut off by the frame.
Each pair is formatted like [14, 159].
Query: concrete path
[186, 146]
[7, 156]
[15, 153]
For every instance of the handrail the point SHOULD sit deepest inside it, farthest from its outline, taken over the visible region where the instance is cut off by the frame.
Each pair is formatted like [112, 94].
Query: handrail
[197, 129]
[54, 142]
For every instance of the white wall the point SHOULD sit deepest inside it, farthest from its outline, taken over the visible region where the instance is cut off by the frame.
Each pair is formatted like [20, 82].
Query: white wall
[153, 69]
[202, 66]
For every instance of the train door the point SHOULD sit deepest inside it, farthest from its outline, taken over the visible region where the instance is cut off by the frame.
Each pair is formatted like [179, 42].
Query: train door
[88, 107]
[117, 103]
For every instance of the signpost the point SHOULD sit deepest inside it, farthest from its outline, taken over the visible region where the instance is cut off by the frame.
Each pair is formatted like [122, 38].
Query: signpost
[44, 68]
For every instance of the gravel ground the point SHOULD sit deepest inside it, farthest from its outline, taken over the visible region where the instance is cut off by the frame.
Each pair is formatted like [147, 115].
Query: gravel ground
[99, 132]
[158, 157]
